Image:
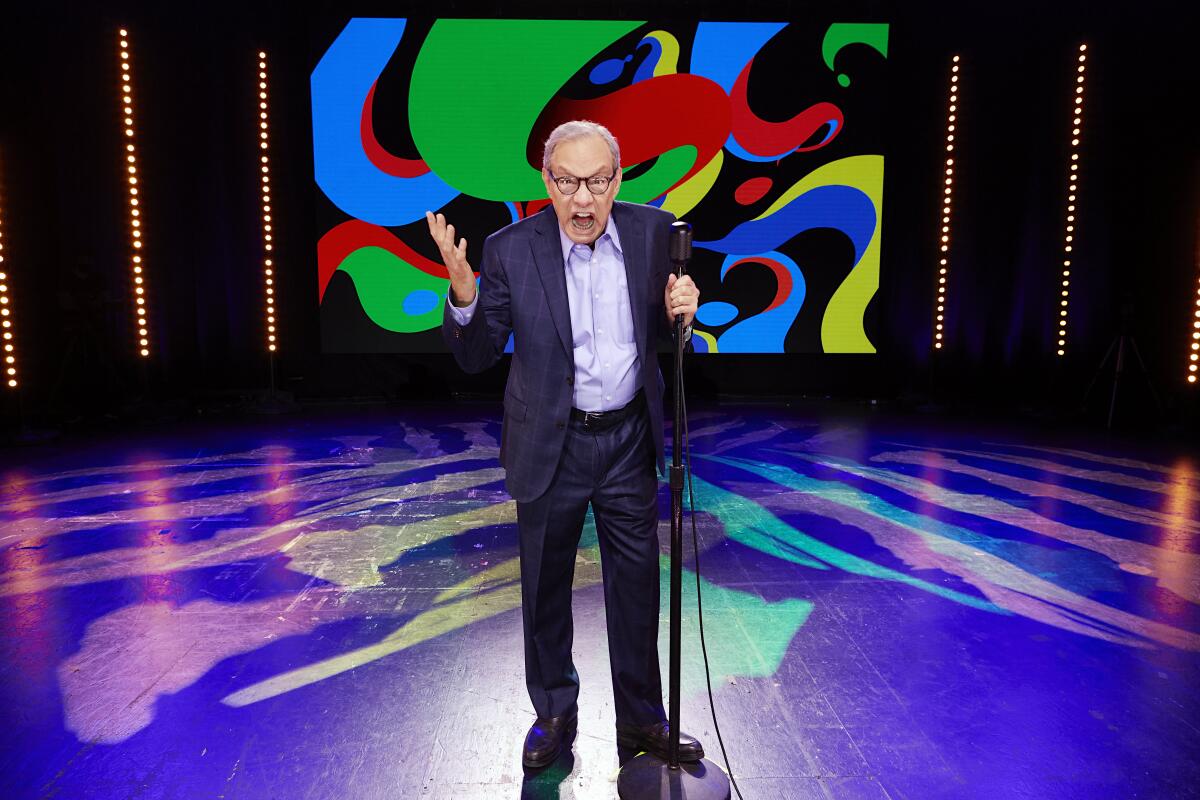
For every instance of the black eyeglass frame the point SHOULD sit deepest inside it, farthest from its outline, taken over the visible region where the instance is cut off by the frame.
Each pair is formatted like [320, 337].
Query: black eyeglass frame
[582, 182]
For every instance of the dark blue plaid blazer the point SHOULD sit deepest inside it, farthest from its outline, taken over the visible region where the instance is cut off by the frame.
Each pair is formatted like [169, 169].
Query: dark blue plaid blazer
[523, 290]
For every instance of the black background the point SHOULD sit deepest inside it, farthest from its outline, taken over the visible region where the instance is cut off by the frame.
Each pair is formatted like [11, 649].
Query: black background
[65, 232]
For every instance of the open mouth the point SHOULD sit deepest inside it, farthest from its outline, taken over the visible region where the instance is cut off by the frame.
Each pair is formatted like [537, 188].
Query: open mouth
[583, 221]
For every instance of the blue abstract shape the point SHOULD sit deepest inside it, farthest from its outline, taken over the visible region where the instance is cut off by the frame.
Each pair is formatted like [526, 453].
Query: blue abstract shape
[340, 85]
[842, 208]
[645, 70]
[512, 210]
[765, 332]
[721, 50]
[607, 71]
[716, 314]
[699, 344]
[420, 301]
[745, 155]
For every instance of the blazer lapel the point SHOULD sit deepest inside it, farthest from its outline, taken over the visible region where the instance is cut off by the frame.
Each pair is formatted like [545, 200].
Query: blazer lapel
[547, 255]
[636, 249]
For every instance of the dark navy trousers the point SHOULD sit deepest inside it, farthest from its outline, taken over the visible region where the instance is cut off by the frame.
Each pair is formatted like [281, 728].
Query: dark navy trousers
[614, 471]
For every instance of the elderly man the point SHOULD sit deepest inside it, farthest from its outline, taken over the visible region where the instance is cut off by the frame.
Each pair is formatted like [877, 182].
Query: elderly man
[586, 289]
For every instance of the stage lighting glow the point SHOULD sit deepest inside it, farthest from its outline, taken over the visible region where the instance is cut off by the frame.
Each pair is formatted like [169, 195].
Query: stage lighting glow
[10, 348]
[1193, 357]
[265, 202]
[135, 223]
[1072, 186]
[947, 183]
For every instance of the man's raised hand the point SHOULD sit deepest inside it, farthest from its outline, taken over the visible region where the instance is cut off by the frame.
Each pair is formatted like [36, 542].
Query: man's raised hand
[462, 277]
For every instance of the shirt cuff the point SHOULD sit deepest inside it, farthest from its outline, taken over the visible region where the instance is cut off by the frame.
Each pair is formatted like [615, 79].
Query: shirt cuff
[462, 316]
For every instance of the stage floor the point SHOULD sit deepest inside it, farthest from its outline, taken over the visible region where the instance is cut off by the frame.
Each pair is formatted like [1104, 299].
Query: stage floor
[326, 606]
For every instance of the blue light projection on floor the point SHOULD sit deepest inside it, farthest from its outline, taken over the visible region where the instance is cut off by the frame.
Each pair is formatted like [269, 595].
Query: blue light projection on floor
[328, 607]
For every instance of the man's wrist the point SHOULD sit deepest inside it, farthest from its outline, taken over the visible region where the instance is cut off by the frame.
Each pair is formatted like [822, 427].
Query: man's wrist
[457, 303]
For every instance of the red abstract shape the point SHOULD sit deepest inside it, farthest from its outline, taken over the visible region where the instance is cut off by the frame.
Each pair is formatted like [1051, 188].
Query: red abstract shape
[783, 278]
[763, 138]
[383, 160]
[752, 190]
[532, 207]
[649, 118]
[343, 240]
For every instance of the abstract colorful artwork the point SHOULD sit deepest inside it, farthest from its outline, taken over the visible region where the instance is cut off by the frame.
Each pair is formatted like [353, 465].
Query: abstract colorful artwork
[767, 137]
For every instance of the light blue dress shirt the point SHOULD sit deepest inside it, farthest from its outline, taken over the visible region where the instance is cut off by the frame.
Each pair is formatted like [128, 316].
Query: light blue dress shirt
[607, 373]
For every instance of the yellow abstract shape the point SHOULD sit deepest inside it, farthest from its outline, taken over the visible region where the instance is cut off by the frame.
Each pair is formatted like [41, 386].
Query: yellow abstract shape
[708, 337]
[668, 64]
[688, 194]
[502, 592]
[849, 301]
[352, 558]
[233, 544]
[497, 577]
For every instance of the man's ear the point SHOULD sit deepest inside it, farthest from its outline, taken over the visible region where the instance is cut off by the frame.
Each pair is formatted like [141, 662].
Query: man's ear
[549, 183]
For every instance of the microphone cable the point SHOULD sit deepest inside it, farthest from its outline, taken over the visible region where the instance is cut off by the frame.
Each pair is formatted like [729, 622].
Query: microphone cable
[687, 451]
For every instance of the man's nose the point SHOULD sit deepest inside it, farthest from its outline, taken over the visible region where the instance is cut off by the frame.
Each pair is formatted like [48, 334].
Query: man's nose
[584, 196]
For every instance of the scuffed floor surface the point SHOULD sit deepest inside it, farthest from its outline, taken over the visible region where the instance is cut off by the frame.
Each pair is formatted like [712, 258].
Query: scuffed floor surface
[327, 606]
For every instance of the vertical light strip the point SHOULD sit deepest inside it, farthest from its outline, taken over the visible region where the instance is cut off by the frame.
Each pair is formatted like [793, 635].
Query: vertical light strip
[6, 319]
[1194, 350]
[135, 214]
[943, 272]
[267, 226]
[1072, 195]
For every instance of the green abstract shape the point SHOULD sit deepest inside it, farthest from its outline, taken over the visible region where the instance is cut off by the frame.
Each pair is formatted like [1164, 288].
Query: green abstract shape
[748, 523]
[687, 196]
[754, 634]
[840, 34]
[478, 87]
[667, 170]
[382, 280]
[842, 326]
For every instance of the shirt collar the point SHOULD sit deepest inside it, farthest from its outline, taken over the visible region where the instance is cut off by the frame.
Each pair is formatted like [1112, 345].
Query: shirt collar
[610, 230]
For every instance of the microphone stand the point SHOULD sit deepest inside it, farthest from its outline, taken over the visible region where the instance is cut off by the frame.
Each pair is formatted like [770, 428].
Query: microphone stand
[648, 777]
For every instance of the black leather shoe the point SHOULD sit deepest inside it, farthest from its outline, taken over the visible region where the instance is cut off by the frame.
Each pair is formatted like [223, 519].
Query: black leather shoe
[656, 738]
[545, 739]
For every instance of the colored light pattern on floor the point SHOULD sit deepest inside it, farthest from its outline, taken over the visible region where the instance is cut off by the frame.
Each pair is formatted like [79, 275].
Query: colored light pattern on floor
[327, 607]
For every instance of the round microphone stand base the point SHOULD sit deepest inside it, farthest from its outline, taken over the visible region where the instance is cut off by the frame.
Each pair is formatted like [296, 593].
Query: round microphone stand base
[649, 777]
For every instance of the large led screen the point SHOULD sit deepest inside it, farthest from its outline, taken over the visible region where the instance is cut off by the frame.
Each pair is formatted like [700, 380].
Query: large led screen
[766, 136]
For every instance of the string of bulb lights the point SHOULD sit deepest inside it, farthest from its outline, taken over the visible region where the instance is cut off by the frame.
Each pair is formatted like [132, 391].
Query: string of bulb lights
[137, 265]
[1194, 350]
[1072, 194]
[943, 272]
[6, 317]
[267, 227]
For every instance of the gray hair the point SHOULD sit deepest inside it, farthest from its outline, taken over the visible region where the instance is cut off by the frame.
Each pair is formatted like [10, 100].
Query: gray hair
[580, 129]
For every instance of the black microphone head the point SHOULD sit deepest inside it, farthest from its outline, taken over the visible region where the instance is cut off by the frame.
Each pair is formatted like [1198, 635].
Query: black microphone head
[681, 242]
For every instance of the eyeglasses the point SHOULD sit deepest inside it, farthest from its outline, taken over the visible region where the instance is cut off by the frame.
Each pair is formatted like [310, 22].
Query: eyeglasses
[569, 184]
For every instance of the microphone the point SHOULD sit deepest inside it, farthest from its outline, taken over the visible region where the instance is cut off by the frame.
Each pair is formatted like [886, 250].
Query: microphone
[680, 247]
[680, 250]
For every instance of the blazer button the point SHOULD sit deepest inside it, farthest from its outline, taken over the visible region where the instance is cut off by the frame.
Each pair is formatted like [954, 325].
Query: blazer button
[571, 381]
[559, 425]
